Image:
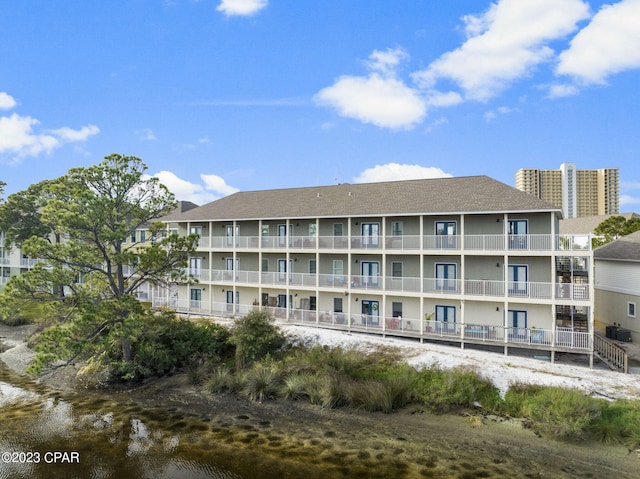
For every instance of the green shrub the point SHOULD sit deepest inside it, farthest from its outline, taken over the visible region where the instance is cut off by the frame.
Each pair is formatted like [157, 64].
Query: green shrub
[328, 391]
[296, 386]
[566, 414]
[255, 336]
[221, 380]
[442, 390]
[619, 423]
[163, 343]
[262, 381]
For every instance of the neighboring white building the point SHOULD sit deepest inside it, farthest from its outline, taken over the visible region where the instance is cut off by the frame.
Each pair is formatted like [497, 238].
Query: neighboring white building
[12, 261]
[617, 288]
[467, 260]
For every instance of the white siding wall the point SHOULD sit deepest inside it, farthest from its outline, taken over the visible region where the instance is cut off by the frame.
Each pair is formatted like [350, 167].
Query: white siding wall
[618, 276]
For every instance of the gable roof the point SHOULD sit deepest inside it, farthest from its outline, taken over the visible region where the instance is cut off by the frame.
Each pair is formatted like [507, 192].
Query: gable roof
[471, 194]
[626, 248]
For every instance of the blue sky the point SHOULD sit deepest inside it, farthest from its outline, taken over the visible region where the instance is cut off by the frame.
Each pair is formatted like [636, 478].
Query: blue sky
[220, 96]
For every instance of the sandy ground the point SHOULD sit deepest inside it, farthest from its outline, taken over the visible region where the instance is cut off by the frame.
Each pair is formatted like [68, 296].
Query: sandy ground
[307, 441]
[501, 370]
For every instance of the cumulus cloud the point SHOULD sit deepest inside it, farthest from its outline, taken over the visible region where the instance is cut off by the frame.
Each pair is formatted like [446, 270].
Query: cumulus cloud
[380, 98]
[7, 102]
[609, 44]
[241, 7]
[213, 187]
[396, 171]
[18, 139]
[504, 44]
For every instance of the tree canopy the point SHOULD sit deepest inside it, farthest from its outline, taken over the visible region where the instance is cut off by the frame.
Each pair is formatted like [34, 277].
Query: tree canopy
[79, 227]
[615, 227]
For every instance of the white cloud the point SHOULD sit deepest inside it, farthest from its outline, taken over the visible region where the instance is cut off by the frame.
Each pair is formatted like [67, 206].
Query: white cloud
[628, 200]
[241, 7]
[442, 99]
[609, 44]
[560, 90]
[493, 114]
[213, 187]
[217, 185]
[504, 44]
[7, 102]
[386, 62]
[384, 102]
[396, 171]
[379, 98]
[69, 135]
[18, 139]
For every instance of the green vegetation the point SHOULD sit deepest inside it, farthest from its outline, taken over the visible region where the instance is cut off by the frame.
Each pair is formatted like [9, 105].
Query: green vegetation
[79, 227]
[267, 368]
[254, 337]
[613, 228]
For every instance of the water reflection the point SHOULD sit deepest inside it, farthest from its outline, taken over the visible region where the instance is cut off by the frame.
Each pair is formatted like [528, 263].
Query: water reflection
[46, 436]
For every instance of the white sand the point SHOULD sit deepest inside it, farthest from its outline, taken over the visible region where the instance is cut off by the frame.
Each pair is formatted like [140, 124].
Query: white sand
[500, 369]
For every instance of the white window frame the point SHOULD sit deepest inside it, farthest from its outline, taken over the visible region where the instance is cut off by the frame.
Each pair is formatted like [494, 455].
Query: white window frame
[631, 309]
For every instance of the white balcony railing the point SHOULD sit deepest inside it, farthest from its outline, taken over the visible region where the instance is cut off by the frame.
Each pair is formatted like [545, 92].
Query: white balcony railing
[564, 338]
[439, 286]
[486, 242]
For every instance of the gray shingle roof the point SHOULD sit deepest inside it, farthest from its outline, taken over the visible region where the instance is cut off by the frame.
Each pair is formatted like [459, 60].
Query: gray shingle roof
[626, 248]
[471, 194]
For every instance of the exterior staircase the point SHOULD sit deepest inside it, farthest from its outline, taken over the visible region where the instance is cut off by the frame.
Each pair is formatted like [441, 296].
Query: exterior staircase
[610, 353]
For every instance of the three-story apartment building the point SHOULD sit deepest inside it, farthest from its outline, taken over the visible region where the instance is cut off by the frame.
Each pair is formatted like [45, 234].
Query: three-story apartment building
[467, 260]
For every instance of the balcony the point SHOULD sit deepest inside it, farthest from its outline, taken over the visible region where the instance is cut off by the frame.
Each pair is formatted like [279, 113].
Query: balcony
[415, 243]
[434, 286]
[562, 339]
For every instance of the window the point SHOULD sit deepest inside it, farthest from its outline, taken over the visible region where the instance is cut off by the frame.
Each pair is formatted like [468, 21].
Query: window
[337, 229]
[370, 273]
[518, 277]
[396, 309]
[446, 234]
[143, 236]
[312, 230]
[446, 314]
[631, 309]
[133, 237]
[265, 265]
[195, 267]
[518, 230]
[338, 267]
[370, 235]
[517, 319]
[396, 269]
[337, 305]
[312, 266]
[195, 295]
[397, 228]
[282, 235]
[446, 277]
[231, 300]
